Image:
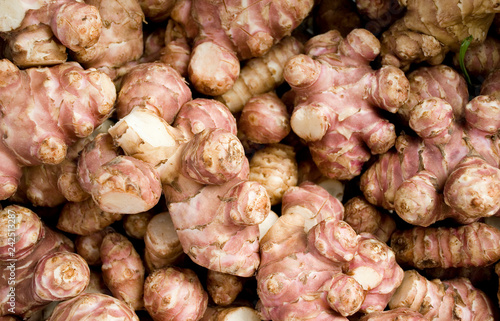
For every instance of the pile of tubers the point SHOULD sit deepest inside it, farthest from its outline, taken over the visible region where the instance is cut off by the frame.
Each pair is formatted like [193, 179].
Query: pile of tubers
[175, 160]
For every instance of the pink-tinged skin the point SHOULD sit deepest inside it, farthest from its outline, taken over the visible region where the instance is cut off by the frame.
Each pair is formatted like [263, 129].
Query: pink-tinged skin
[60, 276]
[89, 246]
[126, 185]
[122, 269]
[223, 288]
[471, 245]
[52, 118]
[345, 295]
[226, 237]
[275, 168]
[366, 218]
[85, 218]
[294, 280]
[75, 25]
[335, 96]
[10, 172]
[265, 119]
[174, 294]
[443, 146]
[93, 155]
[481, 59]
[375, 267]
[154, 86]
[472, 188]
[200, 113]
[177, 50]
[33, 241]
[320, 205]
[397, 314]
[162, 247]
[442, 300]
[93, 306]
[226, 32]
[135, 225]
[439, 81]
[121, 39]
[212, 156]
[154, 42]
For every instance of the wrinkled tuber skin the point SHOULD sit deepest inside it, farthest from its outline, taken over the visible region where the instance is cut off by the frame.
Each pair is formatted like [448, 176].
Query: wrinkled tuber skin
[334, 270]
[174, 294]
[429, 29]
[439, 81]
[37, 33]
[366, 218]
[161, 243]
[224, 33]
[419, 167]
[275, 168]
[442, 300]
[85, 218]
[337, 94]
[397, 314]
[122, 269]
[154, 86]
[264, 119]
[93, 306]
[121, 39]
[47, 121]
[261, 74]
[33, 241]
[232, 313]
[226, 237]
[223, 288]
[471, 245]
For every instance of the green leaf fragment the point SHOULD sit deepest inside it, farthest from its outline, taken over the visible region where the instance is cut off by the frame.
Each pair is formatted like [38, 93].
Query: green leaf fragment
[463, 49]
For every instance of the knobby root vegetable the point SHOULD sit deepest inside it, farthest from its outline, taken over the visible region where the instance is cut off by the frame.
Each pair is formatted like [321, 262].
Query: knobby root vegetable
[462, 150]
[275, 168]
[223, 34]
[223, 288]
[472, 245]
[442, 300]
[174, 294]
[37, 33]
[321, 270]
[397, 314]
[439, 81]
[177, 49]
[38, 280]
[364, 217]
[481, 59]
[85, 218]
[93, 306]
[121, 39]
[122, 269]
[261, 75]
[38, 122]
[157, 10]
[264, 119]
[429, 29]
[162, 247]
[332, 82]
